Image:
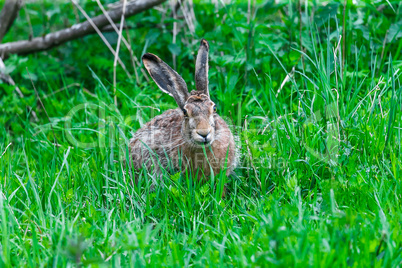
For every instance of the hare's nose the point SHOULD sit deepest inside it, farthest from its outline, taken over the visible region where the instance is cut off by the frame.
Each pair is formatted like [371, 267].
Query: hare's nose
[203, 133]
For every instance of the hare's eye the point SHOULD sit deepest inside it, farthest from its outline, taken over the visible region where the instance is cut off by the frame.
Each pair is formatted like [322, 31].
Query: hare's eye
[214, 108]
[184, 112]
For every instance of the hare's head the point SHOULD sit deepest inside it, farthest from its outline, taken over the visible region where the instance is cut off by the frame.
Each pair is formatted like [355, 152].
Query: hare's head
[198, 109]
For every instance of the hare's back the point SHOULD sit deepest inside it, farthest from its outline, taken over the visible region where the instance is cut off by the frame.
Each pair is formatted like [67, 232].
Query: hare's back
[161, 131]
[170, 119]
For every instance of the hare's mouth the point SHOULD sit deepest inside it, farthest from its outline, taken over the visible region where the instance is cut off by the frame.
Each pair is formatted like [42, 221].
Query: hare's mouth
[205, 139]
[205, 143]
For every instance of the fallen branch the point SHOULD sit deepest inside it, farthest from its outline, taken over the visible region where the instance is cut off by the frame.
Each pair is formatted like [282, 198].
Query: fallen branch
[8, 14]
[109, 28]
[76, 31]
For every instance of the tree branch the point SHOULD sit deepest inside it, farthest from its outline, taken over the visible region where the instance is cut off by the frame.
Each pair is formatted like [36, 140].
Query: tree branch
[76, 31]
[8, 14]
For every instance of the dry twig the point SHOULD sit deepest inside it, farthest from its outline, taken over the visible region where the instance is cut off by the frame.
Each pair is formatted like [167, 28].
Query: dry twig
[43, 106]
[116, 56]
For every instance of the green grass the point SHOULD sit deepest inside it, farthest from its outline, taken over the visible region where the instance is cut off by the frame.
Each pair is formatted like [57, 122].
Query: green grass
[319, 178]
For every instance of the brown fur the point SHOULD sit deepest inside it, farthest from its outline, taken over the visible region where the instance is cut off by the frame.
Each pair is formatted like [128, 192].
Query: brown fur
[163, 136]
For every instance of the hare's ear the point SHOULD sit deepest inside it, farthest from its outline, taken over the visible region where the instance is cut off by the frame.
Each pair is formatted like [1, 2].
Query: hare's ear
[201, 68]
[166, 78]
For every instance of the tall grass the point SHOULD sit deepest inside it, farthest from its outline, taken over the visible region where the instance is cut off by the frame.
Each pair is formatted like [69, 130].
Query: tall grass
[318, 181]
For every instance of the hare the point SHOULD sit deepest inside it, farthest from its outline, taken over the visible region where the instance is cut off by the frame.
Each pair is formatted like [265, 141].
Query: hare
[192, 136]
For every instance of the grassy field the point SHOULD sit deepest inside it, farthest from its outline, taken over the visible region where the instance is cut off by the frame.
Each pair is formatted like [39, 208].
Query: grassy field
[313, 93]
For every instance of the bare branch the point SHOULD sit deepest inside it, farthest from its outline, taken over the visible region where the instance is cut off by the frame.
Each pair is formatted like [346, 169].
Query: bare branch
[76, 31]
[109, 28]
[8, 14]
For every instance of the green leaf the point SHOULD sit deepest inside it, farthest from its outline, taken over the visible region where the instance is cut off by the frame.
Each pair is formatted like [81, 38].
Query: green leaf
[29, 75]
[394, 32]
[324, 13]
[175, 176]
[175, 49]
[69, 194]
